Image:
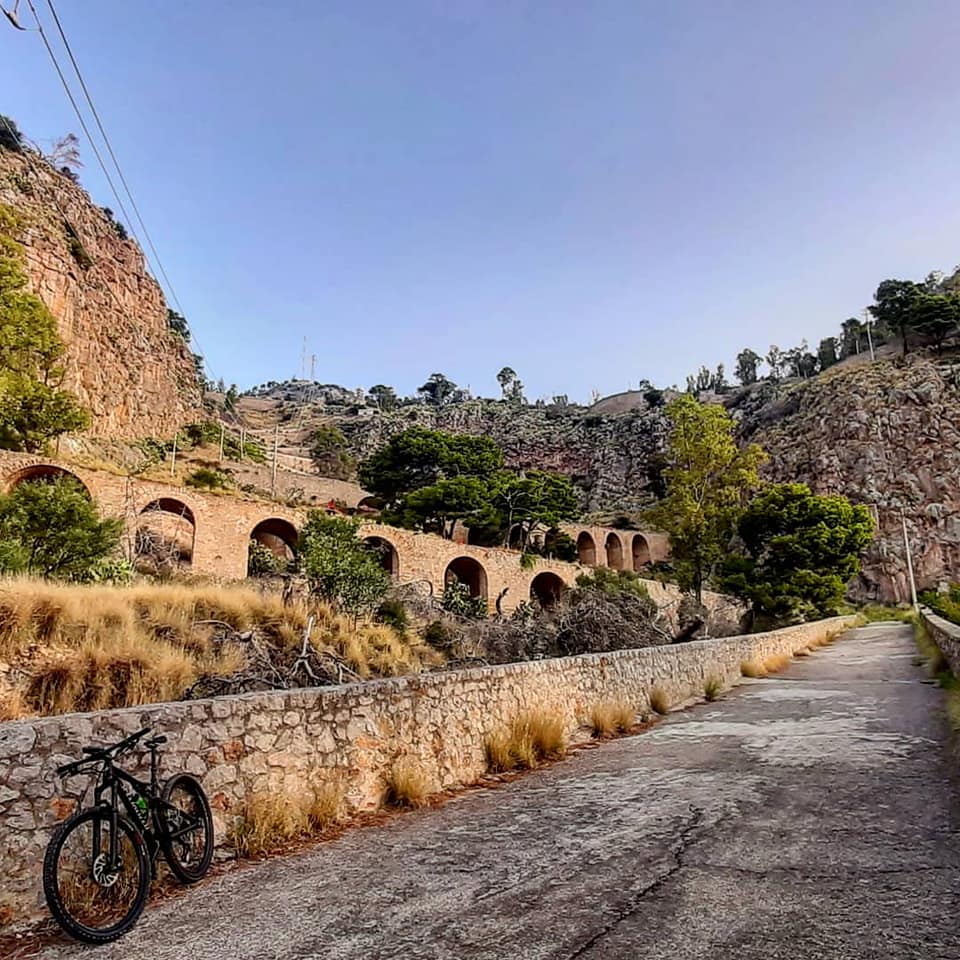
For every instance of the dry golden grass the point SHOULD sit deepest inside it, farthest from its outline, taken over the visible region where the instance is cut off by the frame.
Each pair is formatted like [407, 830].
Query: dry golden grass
[531, 737]
[712, 688]
[407, 784]
[326, 807]
[12, 705]
[659, 701]
[952, 699]
[91, 647]
[776, 663]
[267, 821]
[610, 717]
[753, 669]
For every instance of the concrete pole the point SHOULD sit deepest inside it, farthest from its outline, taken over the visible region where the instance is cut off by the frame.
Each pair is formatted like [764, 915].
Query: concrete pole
[243, 440]
[221, 443]
[906, 545]
[866, 320]
[276, 445]
[173, 458]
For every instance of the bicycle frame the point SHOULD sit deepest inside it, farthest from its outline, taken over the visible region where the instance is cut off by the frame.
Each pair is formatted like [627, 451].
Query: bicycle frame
[111, 782]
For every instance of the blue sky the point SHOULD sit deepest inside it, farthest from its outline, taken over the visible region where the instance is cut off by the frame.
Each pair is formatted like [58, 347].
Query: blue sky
[590, 192]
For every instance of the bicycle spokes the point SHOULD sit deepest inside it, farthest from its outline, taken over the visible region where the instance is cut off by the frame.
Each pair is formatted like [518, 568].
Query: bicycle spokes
[96, 889]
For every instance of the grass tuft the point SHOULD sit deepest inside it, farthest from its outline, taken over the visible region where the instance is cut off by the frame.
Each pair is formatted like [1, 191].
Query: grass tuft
[712, 688]
[776, 663]
[936, 662]
[268, 821]
[407, 785]
[610, 717]
[659, 701]
[531, 738]
[327, 806]
[753, 669]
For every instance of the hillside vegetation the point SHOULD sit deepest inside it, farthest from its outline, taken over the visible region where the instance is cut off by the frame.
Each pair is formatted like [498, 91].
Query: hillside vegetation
[66, 647]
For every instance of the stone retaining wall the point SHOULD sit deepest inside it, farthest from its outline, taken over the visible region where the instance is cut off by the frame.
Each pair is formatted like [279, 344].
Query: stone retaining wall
[947, 637]
[293, 740]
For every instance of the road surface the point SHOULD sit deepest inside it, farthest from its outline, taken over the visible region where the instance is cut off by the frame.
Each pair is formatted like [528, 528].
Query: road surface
[808, 815]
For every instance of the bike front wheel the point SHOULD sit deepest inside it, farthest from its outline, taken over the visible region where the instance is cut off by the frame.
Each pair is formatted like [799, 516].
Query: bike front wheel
[92, 895]
[186, 828]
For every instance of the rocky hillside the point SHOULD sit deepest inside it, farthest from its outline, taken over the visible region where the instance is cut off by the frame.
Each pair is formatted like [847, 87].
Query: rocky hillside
[134, 376]
[886, 434]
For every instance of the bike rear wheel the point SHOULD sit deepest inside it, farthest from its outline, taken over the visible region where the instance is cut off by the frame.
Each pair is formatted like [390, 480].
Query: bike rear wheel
[186, 828]
[93, 899]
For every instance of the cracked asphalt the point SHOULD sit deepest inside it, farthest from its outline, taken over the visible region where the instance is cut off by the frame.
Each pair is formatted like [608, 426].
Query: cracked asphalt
[808, 815]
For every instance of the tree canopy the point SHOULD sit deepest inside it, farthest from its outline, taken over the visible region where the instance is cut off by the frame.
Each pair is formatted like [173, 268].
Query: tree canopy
[801, 551]
[707, 480]
[419, 457]
[429, 480]
[438, 389]
[52, 529]
[33, 408]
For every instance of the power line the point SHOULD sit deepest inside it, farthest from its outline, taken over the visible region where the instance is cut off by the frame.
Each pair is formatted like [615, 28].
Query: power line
[83, 123]
[113, 156]
[196, 346]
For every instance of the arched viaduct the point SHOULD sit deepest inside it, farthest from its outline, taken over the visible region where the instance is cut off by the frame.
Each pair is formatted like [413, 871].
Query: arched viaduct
[210, 534]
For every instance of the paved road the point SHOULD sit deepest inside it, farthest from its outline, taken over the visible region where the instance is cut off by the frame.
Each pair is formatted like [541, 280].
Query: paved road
[804, 816]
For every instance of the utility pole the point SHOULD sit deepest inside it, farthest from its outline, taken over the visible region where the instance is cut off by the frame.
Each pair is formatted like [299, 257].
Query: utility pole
[866, 321]
[276, 445]
[906, 545]
[221, 443]
[243, 434]
[173, 458]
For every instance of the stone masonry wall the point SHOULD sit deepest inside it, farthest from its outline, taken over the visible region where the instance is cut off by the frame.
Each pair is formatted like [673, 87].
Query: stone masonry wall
[947, 637]
[290, 741]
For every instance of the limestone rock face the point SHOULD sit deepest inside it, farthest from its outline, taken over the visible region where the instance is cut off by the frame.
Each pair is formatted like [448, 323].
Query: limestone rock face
[887, 435]
[134, 376]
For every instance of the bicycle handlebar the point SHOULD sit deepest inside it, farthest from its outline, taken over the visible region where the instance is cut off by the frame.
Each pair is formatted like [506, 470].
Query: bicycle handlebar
[97, 754]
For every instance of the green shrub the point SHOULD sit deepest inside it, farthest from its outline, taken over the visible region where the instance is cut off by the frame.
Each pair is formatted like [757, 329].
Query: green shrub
[457, 600]
[394, 614]
[339, 567]
[204, 478]
[263, 562]
[613, 582]
[52, 529]
[438, 635]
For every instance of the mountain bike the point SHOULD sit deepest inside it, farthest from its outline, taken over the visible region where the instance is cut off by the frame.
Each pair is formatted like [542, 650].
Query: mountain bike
[100, 862]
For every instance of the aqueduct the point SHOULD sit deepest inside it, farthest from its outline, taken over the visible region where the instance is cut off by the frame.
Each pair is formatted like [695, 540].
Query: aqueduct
[210, 534]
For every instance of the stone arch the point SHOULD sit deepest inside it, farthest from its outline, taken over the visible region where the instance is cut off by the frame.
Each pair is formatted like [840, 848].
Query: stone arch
[614, 549]
[43, 473]
[166, 531]
[386, 553]
[279, 536]
[547, 588]
[587, 549]
[370, 505]
[640, 550]
[468, 571]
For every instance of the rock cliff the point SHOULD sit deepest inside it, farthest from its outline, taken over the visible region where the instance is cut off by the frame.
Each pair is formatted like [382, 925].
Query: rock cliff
[126, 367]
[885, 434]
